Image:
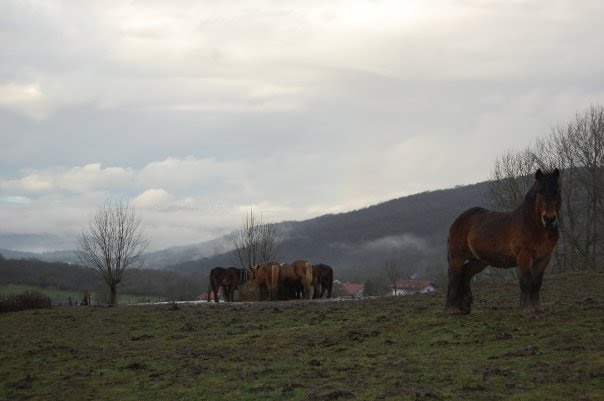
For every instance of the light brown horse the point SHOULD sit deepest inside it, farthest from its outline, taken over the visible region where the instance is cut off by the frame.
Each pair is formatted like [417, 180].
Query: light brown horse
[524, 238]
[322, 280]
[266, 277]
[227, 278]
[296, 280]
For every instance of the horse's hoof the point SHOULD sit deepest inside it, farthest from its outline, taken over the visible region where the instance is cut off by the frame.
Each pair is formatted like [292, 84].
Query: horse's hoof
[454, 310]
[529, 313]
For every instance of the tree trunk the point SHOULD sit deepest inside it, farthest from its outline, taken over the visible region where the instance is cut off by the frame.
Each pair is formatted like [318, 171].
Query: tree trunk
[113, 295]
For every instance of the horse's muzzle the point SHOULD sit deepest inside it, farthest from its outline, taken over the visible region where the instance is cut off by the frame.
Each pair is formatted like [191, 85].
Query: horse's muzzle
[549, 221]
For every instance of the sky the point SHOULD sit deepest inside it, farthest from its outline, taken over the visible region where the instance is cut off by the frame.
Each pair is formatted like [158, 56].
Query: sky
[196, 112]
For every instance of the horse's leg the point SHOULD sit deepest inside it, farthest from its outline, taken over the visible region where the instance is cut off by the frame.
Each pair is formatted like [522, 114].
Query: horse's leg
[538, 270]
[527, 284]
[227, 293]
[215, 288]
[453, 290]
[470, 268]
[307, 294]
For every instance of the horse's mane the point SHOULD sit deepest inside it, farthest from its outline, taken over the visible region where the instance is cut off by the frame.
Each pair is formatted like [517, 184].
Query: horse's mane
[531, 194]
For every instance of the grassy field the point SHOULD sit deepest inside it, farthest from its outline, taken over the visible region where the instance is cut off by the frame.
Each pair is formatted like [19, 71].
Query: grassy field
[403, 348]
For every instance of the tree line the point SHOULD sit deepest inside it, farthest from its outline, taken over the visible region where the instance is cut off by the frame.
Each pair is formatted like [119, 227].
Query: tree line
[575, 147]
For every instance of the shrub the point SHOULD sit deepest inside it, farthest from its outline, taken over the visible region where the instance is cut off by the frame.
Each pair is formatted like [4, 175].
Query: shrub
[26, 300]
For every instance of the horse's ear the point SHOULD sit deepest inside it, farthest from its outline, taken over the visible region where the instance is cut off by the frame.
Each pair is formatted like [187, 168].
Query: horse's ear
[557, 173]
[539, 175]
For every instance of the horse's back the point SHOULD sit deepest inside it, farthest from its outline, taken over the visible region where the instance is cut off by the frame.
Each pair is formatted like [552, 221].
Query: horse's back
[303, 270]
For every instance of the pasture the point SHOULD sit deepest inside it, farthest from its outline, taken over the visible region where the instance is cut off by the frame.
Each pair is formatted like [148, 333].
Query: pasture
[404, 348]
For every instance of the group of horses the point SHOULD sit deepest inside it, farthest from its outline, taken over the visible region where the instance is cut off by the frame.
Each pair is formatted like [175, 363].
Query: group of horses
[274, 281]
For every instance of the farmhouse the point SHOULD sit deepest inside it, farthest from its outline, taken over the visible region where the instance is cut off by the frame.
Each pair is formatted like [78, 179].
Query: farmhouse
[353, 290]
[407, 287]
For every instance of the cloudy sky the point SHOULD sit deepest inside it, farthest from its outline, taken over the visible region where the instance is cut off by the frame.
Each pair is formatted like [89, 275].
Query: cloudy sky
[196, 112]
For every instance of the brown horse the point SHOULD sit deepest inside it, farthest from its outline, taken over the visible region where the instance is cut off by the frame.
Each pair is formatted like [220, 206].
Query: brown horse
[322, 280]
[228, 279]
[524, 238]
[296, 280]
[266, 276]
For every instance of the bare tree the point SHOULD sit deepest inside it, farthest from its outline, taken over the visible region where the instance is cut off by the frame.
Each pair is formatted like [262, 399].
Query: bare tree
[511, 178]
[588, 144]
[256, 242]
[112, 242]
[393, 268]
[577, 149]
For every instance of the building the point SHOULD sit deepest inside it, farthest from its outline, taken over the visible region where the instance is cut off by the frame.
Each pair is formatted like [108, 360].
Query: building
[353, 290]
[407, 287]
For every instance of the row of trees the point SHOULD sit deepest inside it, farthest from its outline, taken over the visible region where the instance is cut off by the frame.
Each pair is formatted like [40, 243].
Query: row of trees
[577, 149]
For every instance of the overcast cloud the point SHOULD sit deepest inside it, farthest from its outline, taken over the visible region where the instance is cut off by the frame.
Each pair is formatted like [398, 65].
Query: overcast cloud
[198, 111]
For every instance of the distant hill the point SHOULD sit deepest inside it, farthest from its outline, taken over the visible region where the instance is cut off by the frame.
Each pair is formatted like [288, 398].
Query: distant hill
[54, 256]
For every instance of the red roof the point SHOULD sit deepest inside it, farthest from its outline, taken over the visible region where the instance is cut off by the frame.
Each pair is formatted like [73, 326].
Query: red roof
[352, 288]
[414, 284]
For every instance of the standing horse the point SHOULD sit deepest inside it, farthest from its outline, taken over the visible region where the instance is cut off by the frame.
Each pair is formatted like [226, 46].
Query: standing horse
[322, 279]
[524, 238]
[266, 276]
[296, 279]
[227, 278]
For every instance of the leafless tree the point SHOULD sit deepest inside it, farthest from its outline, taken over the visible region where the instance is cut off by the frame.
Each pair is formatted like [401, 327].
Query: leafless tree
[511, 178]
[393, 269]
[112, 242]
[588, 143]
[577, 148]
[256, 242]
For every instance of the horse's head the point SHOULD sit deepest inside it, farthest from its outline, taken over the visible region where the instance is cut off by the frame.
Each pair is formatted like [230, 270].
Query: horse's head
[547, 197]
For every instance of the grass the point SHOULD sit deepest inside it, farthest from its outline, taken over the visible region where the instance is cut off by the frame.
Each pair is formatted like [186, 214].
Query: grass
[403, 348]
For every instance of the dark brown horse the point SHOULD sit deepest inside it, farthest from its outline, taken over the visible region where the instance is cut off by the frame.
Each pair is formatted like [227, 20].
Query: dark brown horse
[227, 278]
[524, 238]
[322, 280]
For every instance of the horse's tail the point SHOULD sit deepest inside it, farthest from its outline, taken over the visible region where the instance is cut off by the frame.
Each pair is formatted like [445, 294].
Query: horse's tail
[308, 273]
[211, 285]
[307, 280]
[275, 272]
